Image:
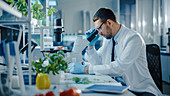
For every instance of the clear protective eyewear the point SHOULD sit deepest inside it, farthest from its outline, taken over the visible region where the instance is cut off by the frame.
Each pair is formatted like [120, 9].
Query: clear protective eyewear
[99, 28]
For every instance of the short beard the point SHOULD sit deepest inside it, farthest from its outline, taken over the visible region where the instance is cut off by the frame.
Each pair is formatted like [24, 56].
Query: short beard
[108, 37]
[109, 30]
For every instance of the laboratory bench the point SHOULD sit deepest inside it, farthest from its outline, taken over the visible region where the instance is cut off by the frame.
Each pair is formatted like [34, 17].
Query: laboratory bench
[165, 65]
[66, 82]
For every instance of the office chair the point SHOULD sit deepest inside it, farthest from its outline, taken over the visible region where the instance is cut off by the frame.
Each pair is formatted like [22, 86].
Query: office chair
[154, 64]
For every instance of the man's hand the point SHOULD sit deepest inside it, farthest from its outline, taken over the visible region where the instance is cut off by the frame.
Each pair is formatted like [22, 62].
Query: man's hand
[87, 69]
[89, 33]
[76, 68]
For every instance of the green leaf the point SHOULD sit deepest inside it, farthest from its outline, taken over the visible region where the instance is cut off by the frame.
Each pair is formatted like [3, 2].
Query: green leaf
[47, 55]
[61, 53]
[40, 60]
[65, 70]
[36, 8]
[33, 6]
[40, 6]
[33, 69]
[10, 1]
[12, 5]
[36, 2]
[85, 80]
[50, 61]
[48, 8]
[49, 13]
[76, 79]
[32, 62]
[22, 1]
[42, 18]
[54, 10]
[53, 72]
[57, 68]
[56, 58]
[48, 70]
[57, 72]
[44, 59]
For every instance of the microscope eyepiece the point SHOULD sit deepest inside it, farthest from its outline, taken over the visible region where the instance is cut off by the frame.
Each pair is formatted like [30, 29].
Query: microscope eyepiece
[90, 38]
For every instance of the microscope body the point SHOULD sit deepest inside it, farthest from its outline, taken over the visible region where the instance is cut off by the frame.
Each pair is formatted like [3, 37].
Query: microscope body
[76, 54]
[79, 45]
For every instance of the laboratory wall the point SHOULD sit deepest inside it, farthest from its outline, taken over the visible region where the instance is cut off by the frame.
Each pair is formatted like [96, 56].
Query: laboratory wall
[78, 14]
[142, 16]
[166, 20]
[147, 17]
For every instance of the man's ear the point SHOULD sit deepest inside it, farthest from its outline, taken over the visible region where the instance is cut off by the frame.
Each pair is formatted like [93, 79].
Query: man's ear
[110, 22]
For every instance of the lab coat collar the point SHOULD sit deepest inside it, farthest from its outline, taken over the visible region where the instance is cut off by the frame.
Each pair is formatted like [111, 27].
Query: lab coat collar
[118, 33]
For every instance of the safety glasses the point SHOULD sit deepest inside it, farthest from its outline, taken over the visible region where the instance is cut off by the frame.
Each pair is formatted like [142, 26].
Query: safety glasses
[99, 28]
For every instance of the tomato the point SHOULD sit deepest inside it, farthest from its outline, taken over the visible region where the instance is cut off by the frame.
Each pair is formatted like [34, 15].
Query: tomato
[60, 47]
[39, 95]
[71, 92]
[42, 81]
[50, 93]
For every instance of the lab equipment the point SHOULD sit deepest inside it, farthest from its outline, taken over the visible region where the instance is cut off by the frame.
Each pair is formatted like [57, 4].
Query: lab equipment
[76, 68]
[168, 33]
[33, 44]
[80, 44]
[76, 54]
[11, 53]
[58, 31]
[91, 34]
[92, 37]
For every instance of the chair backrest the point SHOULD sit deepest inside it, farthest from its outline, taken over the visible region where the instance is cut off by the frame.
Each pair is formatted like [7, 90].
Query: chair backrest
[154, 64]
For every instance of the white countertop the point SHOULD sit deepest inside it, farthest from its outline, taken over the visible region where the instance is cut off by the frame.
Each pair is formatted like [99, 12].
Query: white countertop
[66, 82]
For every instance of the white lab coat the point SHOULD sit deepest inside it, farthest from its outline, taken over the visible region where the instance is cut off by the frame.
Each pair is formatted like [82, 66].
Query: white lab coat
[130, 63]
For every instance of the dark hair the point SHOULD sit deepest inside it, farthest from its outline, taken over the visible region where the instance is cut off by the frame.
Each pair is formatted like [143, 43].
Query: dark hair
[103, 14]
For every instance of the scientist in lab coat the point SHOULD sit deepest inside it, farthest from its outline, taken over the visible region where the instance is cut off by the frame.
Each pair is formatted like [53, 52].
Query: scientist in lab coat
[123, 53]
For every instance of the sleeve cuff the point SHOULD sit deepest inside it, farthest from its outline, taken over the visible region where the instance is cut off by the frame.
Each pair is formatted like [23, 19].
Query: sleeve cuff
[89, 52]
[91, 69]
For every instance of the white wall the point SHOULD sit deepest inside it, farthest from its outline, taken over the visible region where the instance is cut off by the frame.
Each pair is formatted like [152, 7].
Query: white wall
[72, 12]
[152, 20]
[144, 19]
[166, 20]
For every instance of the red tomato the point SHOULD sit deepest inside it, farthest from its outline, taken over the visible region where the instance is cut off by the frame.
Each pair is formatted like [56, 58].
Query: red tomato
[39, 94]
[71, 92]
[50, 93]
[60, 47]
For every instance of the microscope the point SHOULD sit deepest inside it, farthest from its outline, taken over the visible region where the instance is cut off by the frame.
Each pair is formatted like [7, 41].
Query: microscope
[79, 45]
[58, 31]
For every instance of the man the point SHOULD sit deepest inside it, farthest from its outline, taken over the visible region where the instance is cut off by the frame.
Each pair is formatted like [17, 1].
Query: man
[123, 53]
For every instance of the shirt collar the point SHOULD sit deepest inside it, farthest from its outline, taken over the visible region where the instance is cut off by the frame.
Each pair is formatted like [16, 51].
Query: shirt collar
[118, 33]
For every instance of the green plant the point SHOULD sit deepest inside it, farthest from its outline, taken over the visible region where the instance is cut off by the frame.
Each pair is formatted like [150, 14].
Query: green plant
[84, 80]
[52, 62]
[50, 11]
[21, 6]
[36, 9]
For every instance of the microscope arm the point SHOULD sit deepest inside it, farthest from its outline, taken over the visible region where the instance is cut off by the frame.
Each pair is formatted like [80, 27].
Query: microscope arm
[76, 54]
